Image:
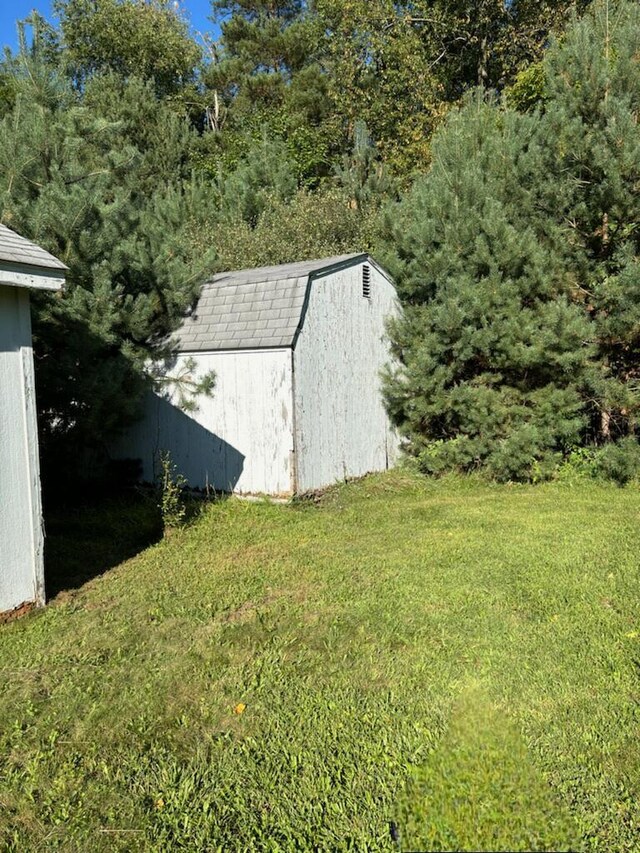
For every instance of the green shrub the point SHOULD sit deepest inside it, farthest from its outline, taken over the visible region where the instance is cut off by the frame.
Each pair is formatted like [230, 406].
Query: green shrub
[581, 462]
[621, 461]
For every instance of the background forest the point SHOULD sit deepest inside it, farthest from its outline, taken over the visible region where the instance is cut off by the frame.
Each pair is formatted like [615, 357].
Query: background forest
[487, 153]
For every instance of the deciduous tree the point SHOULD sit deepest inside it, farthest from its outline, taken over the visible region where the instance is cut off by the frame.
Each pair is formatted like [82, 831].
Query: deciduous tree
[148, 40]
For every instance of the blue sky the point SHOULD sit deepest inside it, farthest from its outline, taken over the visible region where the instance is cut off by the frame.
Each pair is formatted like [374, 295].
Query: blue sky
[196, 11]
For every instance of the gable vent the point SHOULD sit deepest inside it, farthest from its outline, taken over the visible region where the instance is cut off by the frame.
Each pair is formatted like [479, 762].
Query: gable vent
[366, 281]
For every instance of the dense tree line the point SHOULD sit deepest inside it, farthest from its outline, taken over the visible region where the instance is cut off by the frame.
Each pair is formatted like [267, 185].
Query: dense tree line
[487, 152]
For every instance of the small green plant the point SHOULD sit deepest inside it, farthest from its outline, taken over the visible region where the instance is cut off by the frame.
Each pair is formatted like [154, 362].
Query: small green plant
[580, 463]
[171, 487]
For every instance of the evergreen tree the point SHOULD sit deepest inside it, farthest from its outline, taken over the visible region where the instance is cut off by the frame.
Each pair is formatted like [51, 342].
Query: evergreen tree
[79, 176]
[264, 77]
[490, 351]
[362, 173]
[589, 133]
[264, 175]
[160, 141]
[44, 44]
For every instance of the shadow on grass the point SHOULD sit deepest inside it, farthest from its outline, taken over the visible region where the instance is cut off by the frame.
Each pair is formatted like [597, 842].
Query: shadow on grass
[84, 540]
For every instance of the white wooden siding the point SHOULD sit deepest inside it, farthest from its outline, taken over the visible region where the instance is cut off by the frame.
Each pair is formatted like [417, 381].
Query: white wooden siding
[21, 537]
[240, 439]
[342, 429]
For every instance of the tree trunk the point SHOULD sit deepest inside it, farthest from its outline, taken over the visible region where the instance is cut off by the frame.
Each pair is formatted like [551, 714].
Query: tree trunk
[482, 62]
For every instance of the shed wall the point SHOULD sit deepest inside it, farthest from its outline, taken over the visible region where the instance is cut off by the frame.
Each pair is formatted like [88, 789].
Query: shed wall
[342, 429]
[21, 538]
[238, 440]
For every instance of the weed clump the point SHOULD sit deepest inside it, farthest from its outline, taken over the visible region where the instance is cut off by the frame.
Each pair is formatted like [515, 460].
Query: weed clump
[171, 500]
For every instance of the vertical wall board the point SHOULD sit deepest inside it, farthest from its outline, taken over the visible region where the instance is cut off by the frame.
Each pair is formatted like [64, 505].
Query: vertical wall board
[238, 440]
[342, 429]
[21, 539]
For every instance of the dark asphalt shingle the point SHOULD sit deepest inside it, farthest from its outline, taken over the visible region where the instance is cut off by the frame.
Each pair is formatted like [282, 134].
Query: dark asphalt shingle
[15, 249]
[246, 309]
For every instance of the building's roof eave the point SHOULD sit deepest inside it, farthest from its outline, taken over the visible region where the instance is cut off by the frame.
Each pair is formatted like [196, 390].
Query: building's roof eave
[33, 278]
[285, 272]
[17, 254]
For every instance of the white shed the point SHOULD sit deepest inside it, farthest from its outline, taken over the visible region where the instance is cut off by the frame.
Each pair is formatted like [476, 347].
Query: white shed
[23, 265]
[297, 352]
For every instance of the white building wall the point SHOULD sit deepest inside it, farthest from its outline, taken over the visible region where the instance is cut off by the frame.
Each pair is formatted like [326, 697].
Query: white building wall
[239, 440]
[342, 429]
[21, 537]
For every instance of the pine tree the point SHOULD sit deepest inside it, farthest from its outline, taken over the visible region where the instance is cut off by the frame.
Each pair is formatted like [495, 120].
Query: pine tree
[362, 173]
[490, 351]
[589, 133]
[264, 175]
[99, 178]
[264, 77]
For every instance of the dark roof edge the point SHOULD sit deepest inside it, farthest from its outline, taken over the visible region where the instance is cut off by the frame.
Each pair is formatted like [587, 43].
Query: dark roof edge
[350, 262]
[382, 271]
[342, 265]
[339, 265]
[212, 350]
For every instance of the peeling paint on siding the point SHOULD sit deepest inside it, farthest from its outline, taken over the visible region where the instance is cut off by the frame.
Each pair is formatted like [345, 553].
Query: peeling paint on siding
[21, 535]
[342, 429]
[239, 440]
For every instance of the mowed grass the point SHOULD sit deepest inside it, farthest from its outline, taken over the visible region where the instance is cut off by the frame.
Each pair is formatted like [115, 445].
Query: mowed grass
[423, 666]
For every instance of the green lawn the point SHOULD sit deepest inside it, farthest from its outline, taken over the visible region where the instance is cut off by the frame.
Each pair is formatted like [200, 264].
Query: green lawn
[455, 659]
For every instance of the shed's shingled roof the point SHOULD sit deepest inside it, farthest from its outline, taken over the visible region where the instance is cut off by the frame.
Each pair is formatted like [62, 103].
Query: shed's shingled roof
[248, 309]
[15, 249]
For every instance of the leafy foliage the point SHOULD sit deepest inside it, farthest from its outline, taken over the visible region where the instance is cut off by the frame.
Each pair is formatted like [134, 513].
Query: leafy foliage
[309, 226]
[262, 218]
[131, 39]
[398, 66]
